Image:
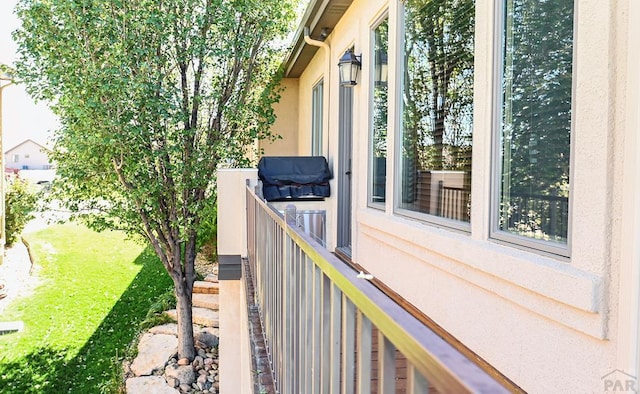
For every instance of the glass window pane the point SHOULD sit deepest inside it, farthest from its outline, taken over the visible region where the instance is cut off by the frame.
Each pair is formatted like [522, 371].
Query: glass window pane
[536, 119]
[380, 107]
[437, 108]
[316, 119]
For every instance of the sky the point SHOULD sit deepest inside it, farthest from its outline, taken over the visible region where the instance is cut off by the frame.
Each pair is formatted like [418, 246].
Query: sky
[22, 118]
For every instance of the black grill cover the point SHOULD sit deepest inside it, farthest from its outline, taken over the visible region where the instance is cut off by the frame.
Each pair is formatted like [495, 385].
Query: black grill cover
[294, 177]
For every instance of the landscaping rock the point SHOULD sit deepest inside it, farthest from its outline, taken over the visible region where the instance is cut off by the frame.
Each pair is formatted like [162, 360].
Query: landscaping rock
[153, 352]
[206, 338]
[149, 384]
[184, 374]
[205, 287]
[173, 382]
[209, 330]
[211, 278]
[180, 375]
[206, 301]
[201, 316]
[167, 329]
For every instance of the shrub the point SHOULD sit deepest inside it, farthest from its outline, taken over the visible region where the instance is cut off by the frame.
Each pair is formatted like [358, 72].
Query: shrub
[20, 202]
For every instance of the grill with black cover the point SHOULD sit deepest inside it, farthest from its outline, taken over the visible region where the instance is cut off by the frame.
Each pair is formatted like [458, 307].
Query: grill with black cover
[294, 177]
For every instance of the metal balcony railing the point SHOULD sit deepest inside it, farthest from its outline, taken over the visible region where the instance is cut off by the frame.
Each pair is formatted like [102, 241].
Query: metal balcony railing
[329, 330]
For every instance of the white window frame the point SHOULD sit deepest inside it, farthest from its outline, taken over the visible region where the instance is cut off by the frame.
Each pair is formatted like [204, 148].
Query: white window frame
[317, 118]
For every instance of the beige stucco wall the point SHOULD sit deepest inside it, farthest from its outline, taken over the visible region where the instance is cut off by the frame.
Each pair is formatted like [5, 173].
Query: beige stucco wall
[232, 220]
[550, 324]
[286, 124]
[315, 72]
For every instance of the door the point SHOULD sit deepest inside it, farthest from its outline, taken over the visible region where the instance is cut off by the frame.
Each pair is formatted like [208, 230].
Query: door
[345, 175]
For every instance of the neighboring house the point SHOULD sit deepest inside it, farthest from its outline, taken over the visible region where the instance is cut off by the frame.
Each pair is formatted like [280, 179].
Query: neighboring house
[28, 155]
[522, 117]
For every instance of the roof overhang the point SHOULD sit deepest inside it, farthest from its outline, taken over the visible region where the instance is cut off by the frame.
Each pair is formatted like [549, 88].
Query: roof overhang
[320, 17]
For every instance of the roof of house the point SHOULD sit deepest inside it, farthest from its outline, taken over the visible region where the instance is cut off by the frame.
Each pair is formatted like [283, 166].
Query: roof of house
[24, 142]
[320, 17]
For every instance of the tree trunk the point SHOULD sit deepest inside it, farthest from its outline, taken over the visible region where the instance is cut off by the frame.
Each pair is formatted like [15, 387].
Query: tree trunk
[185, 320]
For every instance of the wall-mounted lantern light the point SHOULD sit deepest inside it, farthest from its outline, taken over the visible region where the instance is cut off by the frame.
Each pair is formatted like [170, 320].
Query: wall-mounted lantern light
[349, 65]
[381, 71]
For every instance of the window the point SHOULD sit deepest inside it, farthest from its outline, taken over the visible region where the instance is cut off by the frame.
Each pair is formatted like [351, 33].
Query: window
[316, 119]
[437, 109]
[535, 122]
[16, 158]
[379, 110]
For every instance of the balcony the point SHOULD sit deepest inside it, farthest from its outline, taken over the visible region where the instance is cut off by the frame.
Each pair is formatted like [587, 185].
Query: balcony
[314, 323]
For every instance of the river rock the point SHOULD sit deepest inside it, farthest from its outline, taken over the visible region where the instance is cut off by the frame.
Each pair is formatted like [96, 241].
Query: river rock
[184, 374]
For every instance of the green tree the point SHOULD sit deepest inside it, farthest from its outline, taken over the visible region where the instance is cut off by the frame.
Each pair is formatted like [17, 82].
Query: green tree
[153, 97]
[20, 202]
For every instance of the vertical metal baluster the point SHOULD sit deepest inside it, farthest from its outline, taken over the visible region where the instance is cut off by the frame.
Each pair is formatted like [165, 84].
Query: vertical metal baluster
[348, 346]
[273, 345]
[317, 326]
[416, 383]
[279, 291]
[270, 313]
[309, 325]
[303, 324]
[386, 365]
[266, 280]
[297, 316]
[336, 338]
[288, 317]
[326, 335]
[364, 353]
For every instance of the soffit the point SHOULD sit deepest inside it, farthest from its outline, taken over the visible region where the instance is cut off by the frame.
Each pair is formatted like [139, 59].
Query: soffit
[320, 14]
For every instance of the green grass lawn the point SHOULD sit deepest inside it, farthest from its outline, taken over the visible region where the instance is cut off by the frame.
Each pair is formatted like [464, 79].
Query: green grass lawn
[96, 288]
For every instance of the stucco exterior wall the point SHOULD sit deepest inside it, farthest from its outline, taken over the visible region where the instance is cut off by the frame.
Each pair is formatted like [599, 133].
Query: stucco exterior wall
[314, 73]
[232, 218]
[286, 124]
[551, 324]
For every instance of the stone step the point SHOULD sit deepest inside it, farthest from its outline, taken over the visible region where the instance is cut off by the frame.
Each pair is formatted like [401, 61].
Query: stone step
[204, 287]
[202, 316]
[213, 278]
[209, 301]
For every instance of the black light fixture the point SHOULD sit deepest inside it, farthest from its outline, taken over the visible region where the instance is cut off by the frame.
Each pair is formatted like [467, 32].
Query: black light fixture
[381, 71]
[349, 66]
